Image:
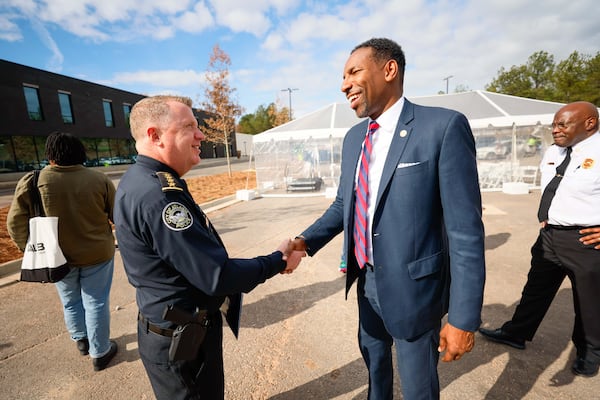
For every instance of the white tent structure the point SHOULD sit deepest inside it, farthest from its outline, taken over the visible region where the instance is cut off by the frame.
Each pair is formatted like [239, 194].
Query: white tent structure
[304, 154]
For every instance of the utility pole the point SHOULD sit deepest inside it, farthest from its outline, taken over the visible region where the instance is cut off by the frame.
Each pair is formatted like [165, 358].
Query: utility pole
[447, 79]
[290, 95]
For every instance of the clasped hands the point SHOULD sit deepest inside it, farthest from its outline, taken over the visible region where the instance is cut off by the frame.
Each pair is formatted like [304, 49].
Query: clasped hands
[293, 250]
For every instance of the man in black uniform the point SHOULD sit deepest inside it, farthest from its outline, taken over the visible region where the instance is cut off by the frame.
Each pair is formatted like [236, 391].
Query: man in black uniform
[176, 260]
[567, 244]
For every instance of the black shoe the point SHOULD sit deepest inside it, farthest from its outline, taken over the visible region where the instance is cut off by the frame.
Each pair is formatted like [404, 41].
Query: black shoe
[584, 368]
[497, 335]
[101, 362]
[83, 346]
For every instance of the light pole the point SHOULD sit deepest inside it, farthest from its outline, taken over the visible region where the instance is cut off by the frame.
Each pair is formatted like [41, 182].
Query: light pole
[290, 95]
[447, 79]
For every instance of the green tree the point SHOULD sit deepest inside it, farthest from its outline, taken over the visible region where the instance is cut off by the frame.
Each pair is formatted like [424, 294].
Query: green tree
[540, 67]
[570, 77]
[575, 78]
[592, 80]
[256, 122]
[219, 104]
[513, 81]
[533, 80]
[263, 118]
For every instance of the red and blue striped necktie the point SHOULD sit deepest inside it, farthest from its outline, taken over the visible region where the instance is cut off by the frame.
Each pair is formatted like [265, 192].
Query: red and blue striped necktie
[361, 205]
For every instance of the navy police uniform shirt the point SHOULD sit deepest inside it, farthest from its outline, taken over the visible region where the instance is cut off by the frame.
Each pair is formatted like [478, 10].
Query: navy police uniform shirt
[171, 253]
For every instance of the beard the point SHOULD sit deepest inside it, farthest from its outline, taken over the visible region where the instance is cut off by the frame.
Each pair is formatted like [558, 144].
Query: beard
[362, 111]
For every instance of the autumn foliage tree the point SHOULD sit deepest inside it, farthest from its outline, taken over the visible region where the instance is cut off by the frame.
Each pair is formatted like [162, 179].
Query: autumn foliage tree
[219, 102]
[263, 118]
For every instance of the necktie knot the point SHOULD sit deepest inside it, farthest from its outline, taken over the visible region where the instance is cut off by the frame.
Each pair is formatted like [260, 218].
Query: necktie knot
[373, 126]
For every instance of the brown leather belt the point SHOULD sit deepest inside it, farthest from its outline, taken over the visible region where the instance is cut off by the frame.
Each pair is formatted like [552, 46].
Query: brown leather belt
[153, 328]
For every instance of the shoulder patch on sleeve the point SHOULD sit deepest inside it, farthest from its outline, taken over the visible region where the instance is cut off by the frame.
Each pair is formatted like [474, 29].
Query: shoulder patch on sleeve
[168, 181]
[177, 217]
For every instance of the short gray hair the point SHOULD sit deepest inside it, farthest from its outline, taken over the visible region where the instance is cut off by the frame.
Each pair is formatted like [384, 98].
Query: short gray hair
[152, 110]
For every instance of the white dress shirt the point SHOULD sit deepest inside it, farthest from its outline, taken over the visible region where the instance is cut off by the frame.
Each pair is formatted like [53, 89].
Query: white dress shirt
[382, 140]
[577, 198]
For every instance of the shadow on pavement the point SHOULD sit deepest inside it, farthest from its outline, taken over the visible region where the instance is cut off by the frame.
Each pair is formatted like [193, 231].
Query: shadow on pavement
[280, 306]
[496, 240]
[335, 383]
[524, 367]
[515, 380]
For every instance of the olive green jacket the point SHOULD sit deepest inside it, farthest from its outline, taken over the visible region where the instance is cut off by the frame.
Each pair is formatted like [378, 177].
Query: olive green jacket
[82, 199]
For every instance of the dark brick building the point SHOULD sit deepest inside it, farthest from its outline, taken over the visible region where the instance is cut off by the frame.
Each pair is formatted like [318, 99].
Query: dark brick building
[34, 103]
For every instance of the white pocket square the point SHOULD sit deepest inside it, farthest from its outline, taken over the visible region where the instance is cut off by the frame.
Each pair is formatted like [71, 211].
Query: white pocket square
[407, 164]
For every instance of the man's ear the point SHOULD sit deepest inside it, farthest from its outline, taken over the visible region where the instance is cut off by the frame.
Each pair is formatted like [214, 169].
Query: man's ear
[153, 135]
[591, 124]
[391, 70]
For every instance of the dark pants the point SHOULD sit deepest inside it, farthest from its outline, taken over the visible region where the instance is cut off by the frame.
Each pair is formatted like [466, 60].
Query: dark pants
[556, 254]
[417, 358]
[198, 379]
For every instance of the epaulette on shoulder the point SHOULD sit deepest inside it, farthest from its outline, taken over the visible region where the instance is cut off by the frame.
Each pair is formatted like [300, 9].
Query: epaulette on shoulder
[168, 181]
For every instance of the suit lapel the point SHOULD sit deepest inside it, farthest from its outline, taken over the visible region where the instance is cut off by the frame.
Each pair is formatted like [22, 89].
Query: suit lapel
[401, 137]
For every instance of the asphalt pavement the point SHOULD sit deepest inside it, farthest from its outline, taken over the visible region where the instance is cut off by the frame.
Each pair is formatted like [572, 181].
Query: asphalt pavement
[298, 335]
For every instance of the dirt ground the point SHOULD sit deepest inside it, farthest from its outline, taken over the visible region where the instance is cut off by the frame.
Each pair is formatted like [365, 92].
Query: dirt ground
[203, 188]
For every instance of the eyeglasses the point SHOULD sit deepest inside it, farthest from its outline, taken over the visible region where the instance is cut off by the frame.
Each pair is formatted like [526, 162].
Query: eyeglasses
[561, 125]
[564, 125]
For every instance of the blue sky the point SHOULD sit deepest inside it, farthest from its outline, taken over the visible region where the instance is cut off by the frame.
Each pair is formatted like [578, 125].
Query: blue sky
[161, 46]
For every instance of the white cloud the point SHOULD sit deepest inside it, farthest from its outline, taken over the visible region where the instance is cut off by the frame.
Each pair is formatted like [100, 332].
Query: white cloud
[9, 31]
[164, 78]
[304, 44]
[55, 63]
[247, 16]
[196, 20]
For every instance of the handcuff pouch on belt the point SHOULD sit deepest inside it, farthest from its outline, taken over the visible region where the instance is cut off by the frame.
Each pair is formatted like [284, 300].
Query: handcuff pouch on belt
[189, 334]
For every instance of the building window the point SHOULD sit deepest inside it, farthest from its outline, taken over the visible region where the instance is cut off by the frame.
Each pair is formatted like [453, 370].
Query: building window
[126, 112]
[28, 150]
[32, 99]
[108, 113]
[64, 99]
[7, 155]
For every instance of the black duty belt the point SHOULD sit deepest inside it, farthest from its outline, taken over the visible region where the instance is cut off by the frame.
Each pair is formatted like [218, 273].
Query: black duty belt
[153, 328]
[567, 227]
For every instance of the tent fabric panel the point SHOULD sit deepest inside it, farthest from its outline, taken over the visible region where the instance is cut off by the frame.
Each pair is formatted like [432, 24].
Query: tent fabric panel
[471, 104]
[514, 105]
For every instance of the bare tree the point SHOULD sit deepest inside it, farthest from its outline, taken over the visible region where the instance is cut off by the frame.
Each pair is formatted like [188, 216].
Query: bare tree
[220, 104]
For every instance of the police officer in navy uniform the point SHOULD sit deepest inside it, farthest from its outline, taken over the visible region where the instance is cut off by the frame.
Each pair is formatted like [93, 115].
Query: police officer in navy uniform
[174, 257]
[568, 242]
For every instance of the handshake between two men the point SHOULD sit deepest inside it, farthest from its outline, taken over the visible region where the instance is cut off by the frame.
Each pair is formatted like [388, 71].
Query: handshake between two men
[293, 251]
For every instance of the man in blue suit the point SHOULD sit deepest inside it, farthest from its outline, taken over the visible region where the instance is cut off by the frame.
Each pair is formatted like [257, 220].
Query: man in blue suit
[423, 254]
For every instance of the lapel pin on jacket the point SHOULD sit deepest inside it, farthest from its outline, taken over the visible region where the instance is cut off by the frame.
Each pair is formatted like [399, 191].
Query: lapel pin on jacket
[403, 133]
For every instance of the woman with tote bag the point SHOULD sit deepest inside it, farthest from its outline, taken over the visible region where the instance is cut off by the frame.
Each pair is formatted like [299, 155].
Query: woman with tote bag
[82, 199]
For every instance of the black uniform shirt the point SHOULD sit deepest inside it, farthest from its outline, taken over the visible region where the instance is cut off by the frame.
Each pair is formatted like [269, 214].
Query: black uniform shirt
[171, 253]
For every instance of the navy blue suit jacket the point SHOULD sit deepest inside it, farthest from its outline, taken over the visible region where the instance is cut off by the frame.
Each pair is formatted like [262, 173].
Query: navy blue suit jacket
[427, 236]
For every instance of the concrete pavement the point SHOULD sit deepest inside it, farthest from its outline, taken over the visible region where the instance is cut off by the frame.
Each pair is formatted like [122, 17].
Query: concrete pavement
[298, 336]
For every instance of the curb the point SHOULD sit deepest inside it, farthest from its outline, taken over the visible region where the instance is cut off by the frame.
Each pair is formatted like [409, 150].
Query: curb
[10, 272]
